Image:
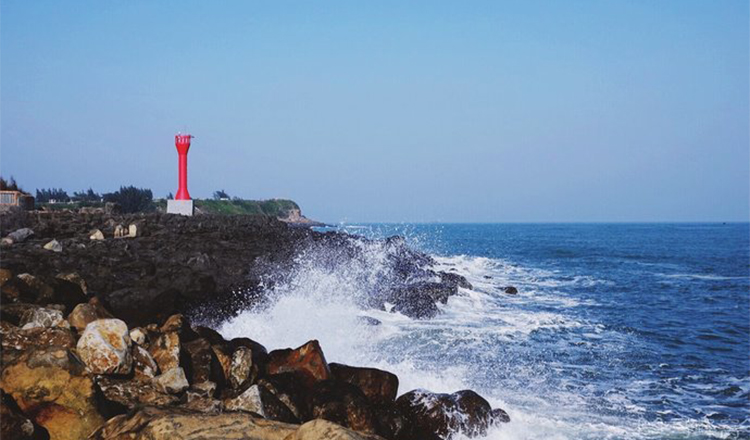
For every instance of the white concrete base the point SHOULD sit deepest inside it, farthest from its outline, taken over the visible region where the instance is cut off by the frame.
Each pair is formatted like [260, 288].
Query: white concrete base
[182, 207]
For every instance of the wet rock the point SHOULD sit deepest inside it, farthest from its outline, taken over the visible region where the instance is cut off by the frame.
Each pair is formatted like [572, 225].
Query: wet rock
[499, 416]
[15, 313]
[177, 323]
[325, 430]
[144, 366]
[201, 362]
[289, 388]
[20, 235]
[434, 415]
[129, 393]
[85, 313]
[5, 275]
[342, 403]
[54, 246]
[415, 304]
[307, 360]
[203, 389]
[15, 338]
[172, 381]
[50, 386]
[14, 425]
[41, 317]
[166, 351]
[241, 369]
[104, 347]
[260, 401]
[380, 387]
[96, 234]
[454, 279]
[175, 423]
[368, 320]
[39, 291]
[511, 290]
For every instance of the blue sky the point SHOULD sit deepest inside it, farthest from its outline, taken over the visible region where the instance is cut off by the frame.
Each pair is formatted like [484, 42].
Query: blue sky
[389, 111]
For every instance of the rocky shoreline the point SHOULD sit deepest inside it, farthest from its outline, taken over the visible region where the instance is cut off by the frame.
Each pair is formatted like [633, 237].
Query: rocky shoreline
[97, 339]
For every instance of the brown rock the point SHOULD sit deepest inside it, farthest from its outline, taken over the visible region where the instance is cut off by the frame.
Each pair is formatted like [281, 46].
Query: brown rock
[172, 381]
[14, 338]
[5, 275]
[241, 369]
[259, 401]
[435, 415]
[163, 424]
[324, 430]
[51, 387]
[13, 424]
[41, 317]
[308, 360]
[343, 403]
[144, 365]
[200, 361]
[166, 351]
[130, 393]
[381, 387]
[85, 313]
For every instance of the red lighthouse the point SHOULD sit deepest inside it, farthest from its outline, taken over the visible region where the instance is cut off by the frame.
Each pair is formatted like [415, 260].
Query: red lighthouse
[181, 203]
[182, 142]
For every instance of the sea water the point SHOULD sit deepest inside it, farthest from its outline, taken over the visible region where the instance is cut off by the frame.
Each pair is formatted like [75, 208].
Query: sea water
[619, 331]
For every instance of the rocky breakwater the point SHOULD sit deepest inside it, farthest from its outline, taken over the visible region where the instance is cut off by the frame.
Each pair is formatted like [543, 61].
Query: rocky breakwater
[79, 360]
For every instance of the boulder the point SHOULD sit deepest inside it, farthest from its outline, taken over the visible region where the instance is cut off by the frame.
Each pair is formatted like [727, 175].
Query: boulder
[172, 381]
[15, 338]
[307, 360]
[135, 230]
[104, 347]
[120, 231]
[342, 403]
[42, 317]
[325, 430]
[241, 369]
[138, 336]
[54, 246]
[289, 388]
[178, 423]
[380, 387]
[97, 235]
[454, 279]
[144, 366]
[166, 351]
[51, 387]
[46, 290]
[85, 313]
[130, 393]
[13, 424]
[20, 235]
[5, 275]
[510, 290]
[258, 400]
[76, 279]
[201, 363]
[435, 416]
[499, 416]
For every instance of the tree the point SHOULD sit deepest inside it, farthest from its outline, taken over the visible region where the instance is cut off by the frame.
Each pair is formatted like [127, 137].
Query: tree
[9, 185]
[87, 196]
[131, 199]
[220, 194]
[57, 194]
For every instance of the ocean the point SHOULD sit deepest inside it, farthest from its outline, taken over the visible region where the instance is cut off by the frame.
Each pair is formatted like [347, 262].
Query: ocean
[619, 331]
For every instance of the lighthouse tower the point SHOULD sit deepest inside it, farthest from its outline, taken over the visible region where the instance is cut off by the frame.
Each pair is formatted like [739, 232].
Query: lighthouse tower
[182, 204]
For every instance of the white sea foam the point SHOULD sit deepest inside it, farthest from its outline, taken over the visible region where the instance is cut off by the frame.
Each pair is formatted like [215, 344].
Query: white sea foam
[445, 354]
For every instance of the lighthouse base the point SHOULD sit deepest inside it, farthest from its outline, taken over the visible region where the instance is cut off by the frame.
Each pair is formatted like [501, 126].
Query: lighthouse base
[182, 207]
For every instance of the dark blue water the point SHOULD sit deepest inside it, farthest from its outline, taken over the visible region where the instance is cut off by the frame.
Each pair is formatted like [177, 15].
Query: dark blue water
[661, 312]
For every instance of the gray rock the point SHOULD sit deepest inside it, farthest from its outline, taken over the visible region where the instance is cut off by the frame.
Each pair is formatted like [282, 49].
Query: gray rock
[20, 235]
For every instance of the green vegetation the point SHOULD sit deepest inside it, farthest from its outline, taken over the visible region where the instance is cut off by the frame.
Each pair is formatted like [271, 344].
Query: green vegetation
[271, 208]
